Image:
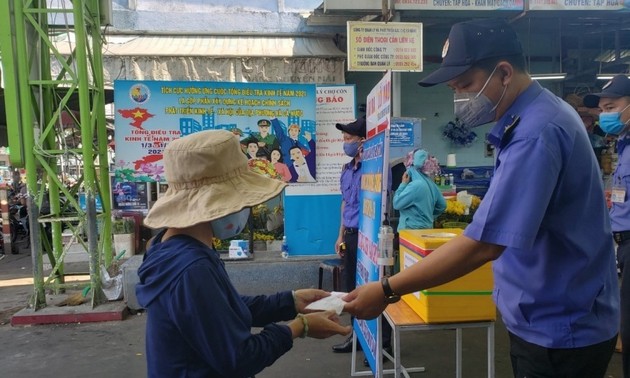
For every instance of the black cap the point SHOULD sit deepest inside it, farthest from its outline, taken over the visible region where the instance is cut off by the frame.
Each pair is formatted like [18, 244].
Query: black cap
[263, 122]
[356, 127]
[619, 86]
[472, 41]
[249, 139]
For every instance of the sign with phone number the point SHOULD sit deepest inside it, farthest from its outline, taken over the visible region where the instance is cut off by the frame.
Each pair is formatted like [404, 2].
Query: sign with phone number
[379, 46]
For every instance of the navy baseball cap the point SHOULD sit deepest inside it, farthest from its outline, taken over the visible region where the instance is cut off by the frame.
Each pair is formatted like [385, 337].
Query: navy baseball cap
[472, 41]
[619, 86]
[356, 127]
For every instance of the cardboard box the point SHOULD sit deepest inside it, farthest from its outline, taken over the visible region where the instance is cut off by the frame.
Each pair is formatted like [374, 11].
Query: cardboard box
[468, 298]
[239, 249]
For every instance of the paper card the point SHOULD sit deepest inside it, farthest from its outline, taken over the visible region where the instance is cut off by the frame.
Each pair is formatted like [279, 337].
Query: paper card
[333, 302]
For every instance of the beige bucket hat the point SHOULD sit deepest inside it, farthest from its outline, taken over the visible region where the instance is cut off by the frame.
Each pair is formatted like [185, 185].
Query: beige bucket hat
[208, 178]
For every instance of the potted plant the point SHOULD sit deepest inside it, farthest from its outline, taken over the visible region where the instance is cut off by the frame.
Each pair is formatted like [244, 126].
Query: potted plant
[124, 236]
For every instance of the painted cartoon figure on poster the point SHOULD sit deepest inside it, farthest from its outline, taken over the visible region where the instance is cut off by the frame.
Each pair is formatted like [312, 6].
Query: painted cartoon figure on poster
[289, 138]
[266, 141]
[278, 163]
[303, 164]
[251, 147]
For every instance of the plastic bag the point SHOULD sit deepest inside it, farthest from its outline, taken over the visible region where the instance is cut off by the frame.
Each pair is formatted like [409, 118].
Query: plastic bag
[112, 286]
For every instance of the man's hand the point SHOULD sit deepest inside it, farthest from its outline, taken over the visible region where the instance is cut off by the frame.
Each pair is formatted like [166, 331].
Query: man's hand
[366, 302]
[340, 246]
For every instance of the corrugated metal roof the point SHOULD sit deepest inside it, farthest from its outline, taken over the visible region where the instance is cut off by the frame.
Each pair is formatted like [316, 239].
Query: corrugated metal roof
[221, 46]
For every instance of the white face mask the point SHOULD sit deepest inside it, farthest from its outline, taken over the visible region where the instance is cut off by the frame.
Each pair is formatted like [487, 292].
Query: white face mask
[476, 109]
[230, 225]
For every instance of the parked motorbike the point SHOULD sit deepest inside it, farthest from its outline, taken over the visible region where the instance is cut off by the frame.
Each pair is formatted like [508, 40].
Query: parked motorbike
[18, 221]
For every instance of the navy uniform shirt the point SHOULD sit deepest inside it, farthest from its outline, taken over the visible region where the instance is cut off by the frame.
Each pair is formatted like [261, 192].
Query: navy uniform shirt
[620, 211]
[556, 282]
[350, 188]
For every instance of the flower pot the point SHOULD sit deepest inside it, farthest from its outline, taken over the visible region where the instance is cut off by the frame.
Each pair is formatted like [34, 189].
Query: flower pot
[124, 242]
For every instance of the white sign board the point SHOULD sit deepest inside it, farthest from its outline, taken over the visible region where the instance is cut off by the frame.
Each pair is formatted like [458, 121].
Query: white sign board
[380, 46]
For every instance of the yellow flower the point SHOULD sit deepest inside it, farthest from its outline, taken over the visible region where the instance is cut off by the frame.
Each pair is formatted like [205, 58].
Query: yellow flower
[454, 207]
[455, 211]
[263, 167]
[262, 236]
[476, 201]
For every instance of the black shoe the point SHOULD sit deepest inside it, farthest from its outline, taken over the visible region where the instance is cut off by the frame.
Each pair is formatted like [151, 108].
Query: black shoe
[345, 347]
[385, 359]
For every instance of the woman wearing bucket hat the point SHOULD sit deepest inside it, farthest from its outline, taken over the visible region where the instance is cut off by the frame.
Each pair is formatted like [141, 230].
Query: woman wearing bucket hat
[197, 324]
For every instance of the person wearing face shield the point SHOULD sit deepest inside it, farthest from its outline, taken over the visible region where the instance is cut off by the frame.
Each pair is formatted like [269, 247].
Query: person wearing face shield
[198, 325]
[543, 221]
[614, 119]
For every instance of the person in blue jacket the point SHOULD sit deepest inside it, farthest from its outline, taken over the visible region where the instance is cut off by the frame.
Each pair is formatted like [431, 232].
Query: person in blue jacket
[198, 325]
[417, 198]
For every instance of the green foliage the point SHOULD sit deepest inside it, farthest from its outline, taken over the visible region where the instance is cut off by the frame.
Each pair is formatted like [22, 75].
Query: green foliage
[125, 175]
[123, 226]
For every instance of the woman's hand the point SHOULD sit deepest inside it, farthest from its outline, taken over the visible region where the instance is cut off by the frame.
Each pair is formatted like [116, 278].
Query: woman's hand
[304, 297]
[322, 325]
[405, 178]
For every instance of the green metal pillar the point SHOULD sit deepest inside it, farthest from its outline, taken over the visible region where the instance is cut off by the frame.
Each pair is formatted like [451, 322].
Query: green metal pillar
[35, 103]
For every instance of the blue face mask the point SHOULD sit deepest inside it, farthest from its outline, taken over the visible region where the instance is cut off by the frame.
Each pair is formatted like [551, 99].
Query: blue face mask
[611, 122]
[230, 225]
[351, 149]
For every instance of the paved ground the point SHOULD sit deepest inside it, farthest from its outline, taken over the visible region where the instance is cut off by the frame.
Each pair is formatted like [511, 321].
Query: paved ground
[116, 349]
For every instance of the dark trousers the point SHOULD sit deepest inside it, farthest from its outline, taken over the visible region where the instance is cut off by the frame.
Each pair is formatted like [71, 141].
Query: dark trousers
[350, 261]
[350, 275]
[623, 259]
[533, 361]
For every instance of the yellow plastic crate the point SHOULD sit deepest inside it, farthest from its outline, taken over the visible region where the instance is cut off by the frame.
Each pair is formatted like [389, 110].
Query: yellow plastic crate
[468, 298]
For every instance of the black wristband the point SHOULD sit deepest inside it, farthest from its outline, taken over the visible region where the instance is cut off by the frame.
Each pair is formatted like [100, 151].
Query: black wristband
[387, 290]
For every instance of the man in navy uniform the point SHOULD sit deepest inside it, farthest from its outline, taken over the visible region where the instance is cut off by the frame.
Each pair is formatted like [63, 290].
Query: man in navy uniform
[543, 221]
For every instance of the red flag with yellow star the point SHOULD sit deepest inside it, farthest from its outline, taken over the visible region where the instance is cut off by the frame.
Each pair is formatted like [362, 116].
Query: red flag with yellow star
[137, 114]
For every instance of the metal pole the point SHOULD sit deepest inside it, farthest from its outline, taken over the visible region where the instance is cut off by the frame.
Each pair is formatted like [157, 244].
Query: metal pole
[101, 132]
[87, 137]
[24, 34]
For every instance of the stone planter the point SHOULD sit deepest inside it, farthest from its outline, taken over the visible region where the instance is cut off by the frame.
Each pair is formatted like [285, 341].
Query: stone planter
[125, 242]
[274, 245]
[260, 245]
